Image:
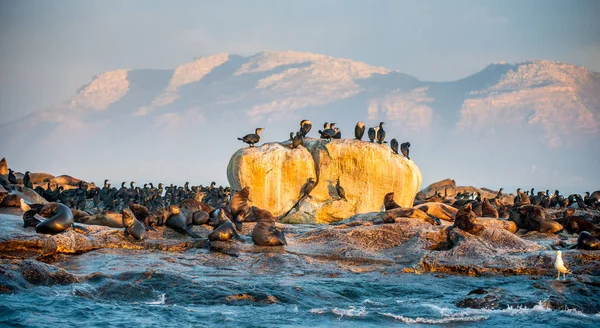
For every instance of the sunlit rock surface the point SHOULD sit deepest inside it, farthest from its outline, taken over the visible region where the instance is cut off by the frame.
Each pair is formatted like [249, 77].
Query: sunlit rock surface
[367, 171]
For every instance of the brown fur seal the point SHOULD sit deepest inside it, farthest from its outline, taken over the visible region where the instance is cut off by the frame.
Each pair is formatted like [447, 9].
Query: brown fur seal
[80, 215]
[466, 220]
[439, 210]
[487, 210]
[180, 222]
[587, 241]
[104, 218]
[200, 217]
[11, 200]
[388, 202]
[265, 233]
[59, 218]
[533, 217]
[132, 226]
[577, 224]
[391, 215]
[142, 214]
[224, 229]
[239, 208]
[504, 211]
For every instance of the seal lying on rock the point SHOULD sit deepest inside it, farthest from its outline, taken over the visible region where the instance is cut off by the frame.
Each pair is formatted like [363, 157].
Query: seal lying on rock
[587, 241]
[391, 215]
[105, 218]
[200, 217]
[466, 220]
[224, 229]
[439, 210]
[577, 224]
[265, 233]
[132, 226]
[59, 218]
[179, 222]
[533, 217]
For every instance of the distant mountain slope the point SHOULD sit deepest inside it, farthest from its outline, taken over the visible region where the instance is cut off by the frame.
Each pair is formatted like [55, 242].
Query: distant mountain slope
[144, 122]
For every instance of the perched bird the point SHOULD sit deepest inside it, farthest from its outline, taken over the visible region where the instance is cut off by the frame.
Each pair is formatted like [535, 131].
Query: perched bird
[381, 133]
[394, 145]
[404, 149]
[307, 187]
[325, 128]
[27, 180]
[340, 190]
[559, 265]
[252, 138]
[372, 133]
[296, 140]
[359, 130]
[337, 134]
[12, 178]
[305, 126]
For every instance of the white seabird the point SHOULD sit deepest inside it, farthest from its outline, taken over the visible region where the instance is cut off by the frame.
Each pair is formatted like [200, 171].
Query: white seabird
[559, 265]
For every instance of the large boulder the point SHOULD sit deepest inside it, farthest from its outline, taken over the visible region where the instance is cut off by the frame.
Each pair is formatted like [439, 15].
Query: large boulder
[367, 171]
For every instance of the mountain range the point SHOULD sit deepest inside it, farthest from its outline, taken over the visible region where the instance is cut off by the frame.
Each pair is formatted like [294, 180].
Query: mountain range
[528, 124]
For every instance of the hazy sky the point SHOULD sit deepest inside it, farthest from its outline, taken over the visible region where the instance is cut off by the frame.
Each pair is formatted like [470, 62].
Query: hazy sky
[50, 48]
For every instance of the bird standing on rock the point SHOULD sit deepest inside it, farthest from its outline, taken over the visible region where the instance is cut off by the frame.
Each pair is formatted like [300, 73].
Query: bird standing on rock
[394, 145]
[359, 130]
[12, 178]
[27, 180]
[340, 190]
[559, 265]
[381, 133]
[404, 149]
[252, 138]
[372, 133]
[305, 126]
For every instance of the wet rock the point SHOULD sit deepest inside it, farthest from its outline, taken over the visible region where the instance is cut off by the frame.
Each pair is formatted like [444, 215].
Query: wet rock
[16, 274]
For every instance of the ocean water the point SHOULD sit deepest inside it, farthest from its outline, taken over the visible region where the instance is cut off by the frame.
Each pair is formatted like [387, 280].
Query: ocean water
[144, 289]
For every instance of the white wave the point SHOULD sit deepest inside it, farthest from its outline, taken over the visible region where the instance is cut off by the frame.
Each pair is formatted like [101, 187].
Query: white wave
[350, 312]
[160, 301]
[437, 321]
[319, 310]
[368, 301]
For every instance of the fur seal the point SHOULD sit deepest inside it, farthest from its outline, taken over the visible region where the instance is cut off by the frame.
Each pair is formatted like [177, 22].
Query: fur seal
[11, 200]
[200, 217]
[239, 207]
[265, 233]
[305, 126]
[415, 213]
[105, 218]
[439, 210]
[3, 167]
[533, 217]
[578, 224]
[466, 220]
[59, 218]
[587, 241]
[394, 145]
[252, 138]
[380, 133]
[487, 210]
[224, 229]
[142, 214]
[389, 203]
[132, 226]
[179, 222]
[31, 219]
[359, 130]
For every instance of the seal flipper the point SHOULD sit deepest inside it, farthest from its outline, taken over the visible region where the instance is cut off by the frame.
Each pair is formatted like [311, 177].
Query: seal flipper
[78, 227]
[435, 220]
[238, 224]
[189, 231]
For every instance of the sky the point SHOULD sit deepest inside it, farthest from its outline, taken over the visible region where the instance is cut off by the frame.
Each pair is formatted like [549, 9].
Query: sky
[48, 49]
